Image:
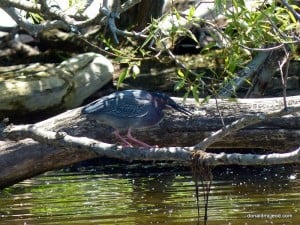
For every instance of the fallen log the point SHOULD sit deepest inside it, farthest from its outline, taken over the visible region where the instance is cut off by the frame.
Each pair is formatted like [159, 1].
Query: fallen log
[28, 150]
[278, 134]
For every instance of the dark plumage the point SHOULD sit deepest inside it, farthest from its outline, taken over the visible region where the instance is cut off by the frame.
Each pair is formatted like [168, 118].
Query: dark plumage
[129, 109]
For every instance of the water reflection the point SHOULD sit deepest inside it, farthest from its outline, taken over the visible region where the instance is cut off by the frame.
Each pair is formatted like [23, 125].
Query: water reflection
[108, 195]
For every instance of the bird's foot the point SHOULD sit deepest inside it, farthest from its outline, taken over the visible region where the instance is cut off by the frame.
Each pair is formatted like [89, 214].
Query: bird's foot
[141, 143]
[122, 139]
[126, 140]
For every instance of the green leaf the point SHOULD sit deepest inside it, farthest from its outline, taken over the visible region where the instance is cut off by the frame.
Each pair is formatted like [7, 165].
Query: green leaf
[292, 17]
[179, 85]
[36, 17]
[195, 93]
[180, 73]
[177, 15]
[206, 99]
[208, 47]
[123, 75]
[219, 4]
[191, 13]
[186, 95]
[150, 36]
[192, 36]
[291, 26]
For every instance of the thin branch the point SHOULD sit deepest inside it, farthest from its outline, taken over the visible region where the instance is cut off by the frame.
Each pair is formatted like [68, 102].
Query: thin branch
[24, 5]
[219, 111]
[284, 74]
[178, 154]
[241, 123]
[55, 12]
[100, 17]
[177, 61]
[31, 28]
[264, 49]
[128, 4]
[245, 74]
[252, 159]
[291, 9]
[112, 15]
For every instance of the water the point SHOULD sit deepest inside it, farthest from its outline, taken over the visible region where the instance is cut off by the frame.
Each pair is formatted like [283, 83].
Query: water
[137, 194]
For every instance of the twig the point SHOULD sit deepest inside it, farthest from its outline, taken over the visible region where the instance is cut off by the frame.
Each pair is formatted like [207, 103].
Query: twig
[31, 28]
[63, 21]
[291, 9]
[263, 49]
[178, 63]
[55, 12]
[128, 4]
[284, 74]
[245, 74]
[241, 123]
[219, 112]
[25, 5]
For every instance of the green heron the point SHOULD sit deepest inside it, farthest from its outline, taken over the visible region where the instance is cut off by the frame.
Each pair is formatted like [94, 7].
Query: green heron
[129, 109]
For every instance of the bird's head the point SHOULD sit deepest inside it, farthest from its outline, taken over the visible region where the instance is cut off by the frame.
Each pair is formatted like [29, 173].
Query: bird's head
[164, 101]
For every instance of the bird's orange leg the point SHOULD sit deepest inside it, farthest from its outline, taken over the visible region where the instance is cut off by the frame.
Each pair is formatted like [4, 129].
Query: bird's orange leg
[123, 140]
[130, 137]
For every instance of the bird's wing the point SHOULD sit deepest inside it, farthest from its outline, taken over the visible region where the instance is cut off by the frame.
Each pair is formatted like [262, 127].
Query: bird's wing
[119, 107]
[94, 106]
[129, 108]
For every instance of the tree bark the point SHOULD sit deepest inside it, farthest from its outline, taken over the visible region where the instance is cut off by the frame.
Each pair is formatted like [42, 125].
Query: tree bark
[22, 157]
[278, 134]
[26, 158]
[141, 15]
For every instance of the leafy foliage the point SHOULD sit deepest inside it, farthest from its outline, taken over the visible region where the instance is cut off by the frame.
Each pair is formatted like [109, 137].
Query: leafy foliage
[258, 26]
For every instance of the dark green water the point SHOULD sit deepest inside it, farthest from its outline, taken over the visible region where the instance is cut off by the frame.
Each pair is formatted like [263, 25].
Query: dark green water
[147, 195]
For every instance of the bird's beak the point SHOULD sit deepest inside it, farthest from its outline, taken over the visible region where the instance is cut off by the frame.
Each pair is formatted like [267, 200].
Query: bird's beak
[181, 109]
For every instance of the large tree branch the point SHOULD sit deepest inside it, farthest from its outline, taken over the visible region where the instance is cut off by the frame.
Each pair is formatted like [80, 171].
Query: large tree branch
[179, 154]
[50, 12]
[52, 143]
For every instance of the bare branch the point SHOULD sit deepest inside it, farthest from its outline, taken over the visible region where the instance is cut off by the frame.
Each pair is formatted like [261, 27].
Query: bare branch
[55, 12]
[178, 154]
[284, 64]
[291, 9]
[61, 139]
[112, 15]
[25, 5]
[241, 123]
[252, 159]
[31, 28]
[128, 4]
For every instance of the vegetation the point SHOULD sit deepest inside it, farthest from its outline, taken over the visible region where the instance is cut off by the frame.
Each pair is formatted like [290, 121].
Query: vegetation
[247, 31]
[237, 31]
